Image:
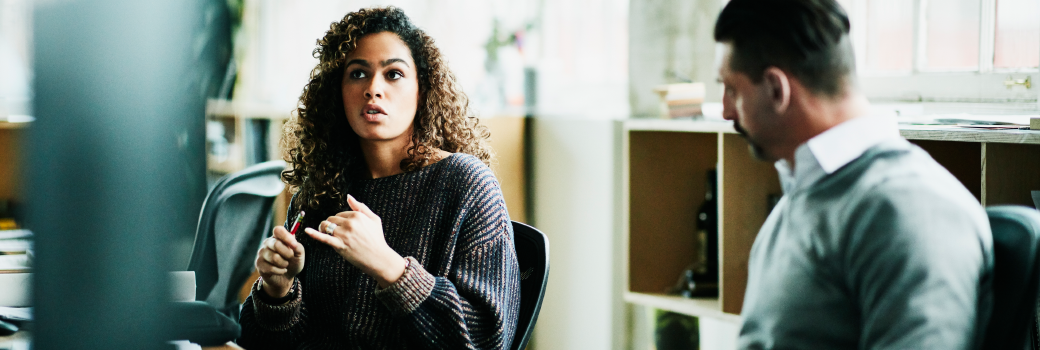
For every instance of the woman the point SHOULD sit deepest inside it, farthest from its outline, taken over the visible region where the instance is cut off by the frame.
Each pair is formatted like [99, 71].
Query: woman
[407, 242]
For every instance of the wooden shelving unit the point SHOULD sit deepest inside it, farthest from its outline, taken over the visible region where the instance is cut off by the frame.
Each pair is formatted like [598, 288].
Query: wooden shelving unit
[11, 135]
[664, 164]
[235, 117]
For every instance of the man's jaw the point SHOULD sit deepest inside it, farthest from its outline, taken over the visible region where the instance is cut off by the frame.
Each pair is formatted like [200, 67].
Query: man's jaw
[756, 150]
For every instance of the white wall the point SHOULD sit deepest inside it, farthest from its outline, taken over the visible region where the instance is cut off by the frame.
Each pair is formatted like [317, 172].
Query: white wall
[573, 203]
[278, 38]
[582, 88]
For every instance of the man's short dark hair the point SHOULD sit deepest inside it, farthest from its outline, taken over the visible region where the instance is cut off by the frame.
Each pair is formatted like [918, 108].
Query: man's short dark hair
[806, 38]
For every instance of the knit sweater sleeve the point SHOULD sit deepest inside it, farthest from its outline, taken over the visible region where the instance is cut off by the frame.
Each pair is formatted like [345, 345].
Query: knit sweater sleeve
[269, 325]
[476, 305]
[273, 323]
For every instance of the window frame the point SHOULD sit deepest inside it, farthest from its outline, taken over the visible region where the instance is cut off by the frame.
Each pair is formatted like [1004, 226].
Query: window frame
[982, 85]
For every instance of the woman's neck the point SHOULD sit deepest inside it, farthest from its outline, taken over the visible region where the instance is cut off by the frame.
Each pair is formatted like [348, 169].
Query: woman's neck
[383, 158]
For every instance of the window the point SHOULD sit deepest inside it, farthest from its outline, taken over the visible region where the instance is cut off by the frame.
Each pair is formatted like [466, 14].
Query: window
[15, 57]
[1017, 41]
[948, 51]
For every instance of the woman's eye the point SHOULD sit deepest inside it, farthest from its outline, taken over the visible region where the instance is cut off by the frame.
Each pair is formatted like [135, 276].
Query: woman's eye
[358, 74]
[395, 75]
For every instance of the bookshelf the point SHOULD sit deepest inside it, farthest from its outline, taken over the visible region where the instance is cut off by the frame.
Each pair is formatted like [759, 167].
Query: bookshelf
[663, 168]
[11, 192]
[252, 133]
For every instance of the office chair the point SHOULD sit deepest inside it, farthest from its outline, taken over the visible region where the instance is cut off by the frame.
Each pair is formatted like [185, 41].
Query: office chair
[532, 255]
[235, 218]
[1016, 277]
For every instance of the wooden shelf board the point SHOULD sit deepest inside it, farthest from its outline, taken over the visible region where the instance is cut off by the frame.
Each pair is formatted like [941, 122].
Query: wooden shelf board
[911, 132]
[682, 125]
[6, 125]
[699, 307]
[937, 133]
[226, 108]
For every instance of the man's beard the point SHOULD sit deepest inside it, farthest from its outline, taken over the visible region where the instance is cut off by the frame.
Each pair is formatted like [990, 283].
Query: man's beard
[754, 148]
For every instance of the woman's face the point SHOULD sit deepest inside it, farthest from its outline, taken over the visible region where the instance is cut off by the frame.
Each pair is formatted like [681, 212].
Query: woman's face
[381, 88]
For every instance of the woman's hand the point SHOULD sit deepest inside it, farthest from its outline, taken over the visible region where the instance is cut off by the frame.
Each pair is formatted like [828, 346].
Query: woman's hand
[279, 260]
[358, 237]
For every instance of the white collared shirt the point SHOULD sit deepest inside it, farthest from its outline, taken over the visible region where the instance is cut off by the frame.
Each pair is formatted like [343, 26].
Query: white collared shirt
[829, 151]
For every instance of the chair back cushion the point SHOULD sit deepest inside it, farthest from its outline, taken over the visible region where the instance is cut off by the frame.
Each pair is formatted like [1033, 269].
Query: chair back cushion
[237, 234]
[1016, 276]
[234, 219]
[532, 255]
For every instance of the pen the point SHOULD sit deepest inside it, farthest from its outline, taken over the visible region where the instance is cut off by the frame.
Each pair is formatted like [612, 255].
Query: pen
[296, 224]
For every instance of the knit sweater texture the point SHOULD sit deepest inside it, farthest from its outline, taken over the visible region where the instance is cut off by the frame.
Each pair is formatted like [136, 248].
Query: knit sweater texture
[888, 252]
[461, 289]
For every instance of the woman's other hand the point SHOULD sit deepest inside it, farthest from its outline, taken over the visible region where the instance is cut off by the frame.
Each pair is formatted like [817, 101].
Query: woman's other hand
[279, 260]
[358, 237]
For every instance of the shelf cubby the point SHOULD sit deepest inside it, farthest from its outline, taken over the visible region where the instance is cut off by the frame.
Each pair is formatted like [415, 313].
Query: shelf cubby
[962, 159]
[663, 168]
[1009, 173]
[667, 175]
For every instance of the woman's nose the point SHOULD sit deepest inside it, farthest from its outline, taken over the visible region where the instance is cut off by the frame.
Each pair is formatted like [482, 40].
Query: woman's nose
[374, 89]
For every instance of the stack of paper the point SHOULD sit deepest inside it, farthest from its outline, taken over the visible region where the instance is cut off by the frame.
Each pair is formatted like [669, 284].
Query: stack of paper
[15, 265]
[15, 251]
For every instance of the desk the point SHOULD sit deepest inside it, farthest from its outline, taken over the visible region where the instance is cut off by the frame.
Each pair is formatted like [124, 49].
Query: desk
[228, 346]
[22, 339]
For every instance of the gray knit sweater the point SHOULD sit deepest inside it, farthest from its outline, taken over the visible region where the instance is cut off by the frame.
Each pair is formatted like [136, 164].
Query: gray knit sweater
[460, 291]
[888, 252]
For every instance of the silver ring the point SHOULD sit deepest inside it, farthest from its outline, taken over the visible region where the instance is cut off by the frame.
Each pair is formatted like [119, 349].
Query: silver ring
[331, 228]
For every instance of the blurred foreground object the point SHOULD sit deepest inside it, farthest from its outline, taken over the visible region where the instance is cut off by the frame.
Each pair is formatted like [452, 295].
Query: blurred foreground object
[115, 164]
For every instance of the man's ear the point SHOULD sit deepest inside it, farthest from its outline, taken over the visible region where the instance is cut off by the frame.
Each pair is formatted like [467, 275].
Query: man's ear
[779, 89]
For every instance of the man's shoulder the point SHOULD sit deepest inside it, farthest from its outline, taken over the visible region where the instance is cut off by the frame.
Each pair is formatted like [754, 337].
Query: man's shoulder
[898, 184]
[898, 168]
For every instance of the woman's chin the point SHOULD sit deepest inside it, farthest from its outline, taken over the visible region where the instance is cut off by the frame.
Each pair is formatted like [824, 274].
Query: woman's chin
[379, 135]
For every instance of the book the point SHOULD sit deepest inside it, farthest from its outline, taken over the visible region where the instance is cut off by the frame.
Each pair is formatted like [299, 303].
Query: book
[681, 100]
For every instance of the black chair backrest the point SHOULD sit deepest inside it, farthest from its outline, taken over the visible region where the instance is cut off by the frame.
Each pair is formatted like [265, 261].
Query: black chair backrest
[532, 254]
[235, 218]
[1016, 276]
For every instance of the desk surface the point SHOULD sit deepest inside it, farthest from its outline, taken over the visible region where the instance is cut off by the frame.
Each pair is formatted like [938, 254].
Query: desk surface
[22, 339]
[910, 132]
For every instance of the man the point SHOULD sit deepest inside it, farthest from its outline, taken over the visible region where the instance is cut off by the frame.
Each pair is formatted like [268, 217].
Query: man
[874, 245]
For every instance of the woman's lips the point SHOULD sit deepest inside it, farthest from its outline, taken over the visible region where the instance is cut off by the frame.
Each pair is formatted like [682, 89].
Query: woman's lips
[373, 112]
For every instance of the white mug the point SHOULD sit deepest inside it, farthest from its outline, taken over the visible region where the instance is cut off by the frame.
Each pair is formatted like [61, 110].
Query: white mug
[16, 289]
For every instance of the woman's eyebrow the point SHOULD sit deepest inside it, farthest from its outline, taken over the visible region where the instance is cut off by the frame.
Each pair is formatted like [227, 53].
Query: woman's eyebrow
[393, 60]
[360, 62]
[384, 63]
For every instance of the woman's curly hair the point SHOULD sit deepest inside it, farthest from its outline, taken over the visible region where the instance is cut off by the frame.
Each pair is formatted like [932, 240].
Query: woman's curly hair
[320, 145]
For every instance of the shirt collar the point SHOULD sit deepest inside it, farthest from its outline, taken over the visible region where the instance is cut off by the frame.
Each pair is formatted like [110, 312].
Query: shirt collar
[827, 152]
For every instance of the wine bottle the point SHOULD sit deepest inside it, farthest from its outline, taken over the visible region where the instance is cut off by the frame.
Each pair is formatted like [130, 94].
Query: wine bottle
[705, 275]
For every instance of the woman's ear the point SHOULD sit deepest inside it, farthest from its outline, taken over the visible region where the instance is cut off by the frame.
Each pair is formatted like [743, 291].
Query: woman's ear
[779, 89]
